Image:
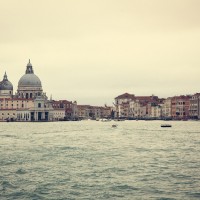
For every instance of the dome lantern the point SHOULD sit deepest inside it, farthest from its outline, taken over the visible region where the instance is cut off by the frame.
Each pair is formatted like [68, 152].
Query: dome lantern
[29, 68]
[5, 78]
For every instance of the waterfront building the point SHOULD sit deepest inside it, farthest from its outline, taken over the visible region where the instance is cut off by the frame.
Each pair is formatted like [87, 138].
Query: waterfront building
[121, 103]
[180, 107]
[106, 111]
[166, 108]
[93, 112]
[123, 110]
[88, 112]
[137, 109]
[148, 102]
[29, 103]
[58, 114]
[82, 111]
[155, 111]
[131, 106]
[70, 109]
[194, 109]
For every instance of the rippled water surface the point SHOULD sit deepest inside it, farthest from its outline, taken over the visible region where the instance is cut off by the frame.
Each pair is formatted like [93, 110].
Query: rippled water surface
[92, 160]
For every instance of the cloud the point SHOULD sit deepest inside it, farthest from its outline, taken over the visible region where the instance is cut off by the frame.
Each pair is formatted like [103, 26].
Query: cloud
[88, 50]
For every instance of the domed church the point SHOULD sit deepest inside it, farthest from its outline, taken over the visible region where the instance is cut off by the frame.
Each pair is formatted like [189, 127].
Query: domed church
[29, 103]
[6, 87]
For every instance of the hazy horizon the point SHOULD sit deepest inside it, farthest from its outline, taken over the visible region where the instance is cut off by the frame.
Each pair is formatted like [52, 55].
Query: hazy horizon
[94, 50]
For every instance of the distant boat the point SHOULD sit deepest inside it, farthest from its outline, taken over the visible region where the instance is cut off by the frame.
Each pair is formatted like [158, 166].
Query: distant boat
[105, 120]
[114, 125]
[119, 119]
[166, 125]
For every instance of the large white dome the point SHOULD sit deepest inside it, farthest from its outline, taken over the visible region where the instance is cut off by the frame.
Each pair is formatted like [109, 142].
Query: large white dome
[29, 79]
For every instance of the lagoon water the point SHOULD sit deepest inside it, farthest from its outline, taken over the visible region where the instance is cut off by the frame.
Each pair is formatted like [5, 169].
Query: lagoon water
[92, 160]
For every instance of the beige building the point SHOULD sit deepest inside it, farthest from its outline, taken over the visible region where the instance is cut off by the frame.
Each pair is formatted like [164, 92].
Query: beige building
[167, 108]
[93, 112]
[155, 111]
[137, 109]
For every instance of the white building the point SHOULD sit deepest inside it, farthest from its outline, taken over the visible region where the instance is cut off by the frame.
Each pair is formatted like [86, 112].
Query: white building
[121, 103]
[137, 109]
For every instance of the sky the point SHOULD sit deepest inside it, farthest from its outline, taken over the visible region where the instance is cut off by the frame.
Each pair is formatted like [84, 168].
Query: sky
[94, 50]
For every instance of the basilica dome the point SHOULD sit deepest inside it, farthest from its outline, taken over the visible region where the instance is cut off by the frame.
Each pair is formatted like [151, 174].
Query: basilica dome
[6, 84]
[29, 79]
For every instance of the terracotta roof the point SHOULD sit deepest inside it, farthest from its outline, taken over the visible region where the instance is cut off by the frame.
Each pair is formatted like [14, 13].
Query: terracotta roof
[125, 96]
[181, 97]
[197, 94]
[62, 101]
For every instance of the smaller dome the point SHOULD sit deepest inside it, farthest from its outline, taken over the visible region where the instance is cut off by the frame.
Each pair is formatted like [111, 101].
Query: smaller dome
[6, 84]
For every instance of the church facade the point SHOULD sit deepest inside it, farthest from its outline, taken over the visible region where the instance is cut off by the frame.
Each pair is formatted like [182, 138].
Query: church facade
[29, 103]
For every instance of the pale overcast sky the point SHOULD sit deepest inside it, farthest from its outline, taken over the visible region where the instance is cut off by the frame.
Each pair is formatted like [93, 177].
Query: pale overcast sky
[94, 50]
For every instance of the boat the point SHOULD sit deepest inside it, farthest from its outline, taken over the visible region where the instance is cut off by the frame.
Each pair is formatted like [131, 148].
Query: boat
[105, 120]
[166, 125]
[114, 125]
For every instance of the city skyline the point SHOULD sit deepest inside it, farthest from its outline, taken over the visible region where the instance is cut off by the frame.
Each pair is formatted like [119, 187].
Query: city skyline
[92, 51]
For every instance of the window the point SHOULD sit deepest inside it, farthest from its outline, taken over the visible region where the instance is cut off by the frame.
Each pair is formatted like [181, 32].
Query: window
[39, 105]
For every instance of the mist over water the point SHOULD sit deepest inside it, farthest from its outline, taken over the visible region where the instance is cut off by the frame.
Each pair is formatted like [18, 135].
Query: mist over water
[92, 160]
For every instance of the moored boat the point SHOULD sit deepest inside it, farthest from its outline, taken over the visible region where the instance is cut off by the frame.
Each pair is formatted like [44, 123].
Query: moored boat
[166, 125]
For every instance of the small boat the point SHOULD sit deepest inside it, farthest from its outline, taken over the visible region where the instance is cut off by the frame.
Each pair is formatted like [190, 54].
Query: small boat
[114, 125]
[166, 125]
[105, 120]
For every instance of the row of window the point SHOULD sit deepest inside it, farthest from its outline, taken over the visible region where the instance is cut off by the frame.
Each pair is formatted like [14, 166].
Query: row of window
[62, 106]
[13, 101]
[7, 114]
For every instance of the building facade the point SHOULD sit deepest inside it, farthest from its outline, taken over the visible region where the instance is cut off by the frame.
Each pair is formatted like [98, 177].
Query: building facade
[180, 107]
[70, 109]
[194, 109]
[166, 108]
